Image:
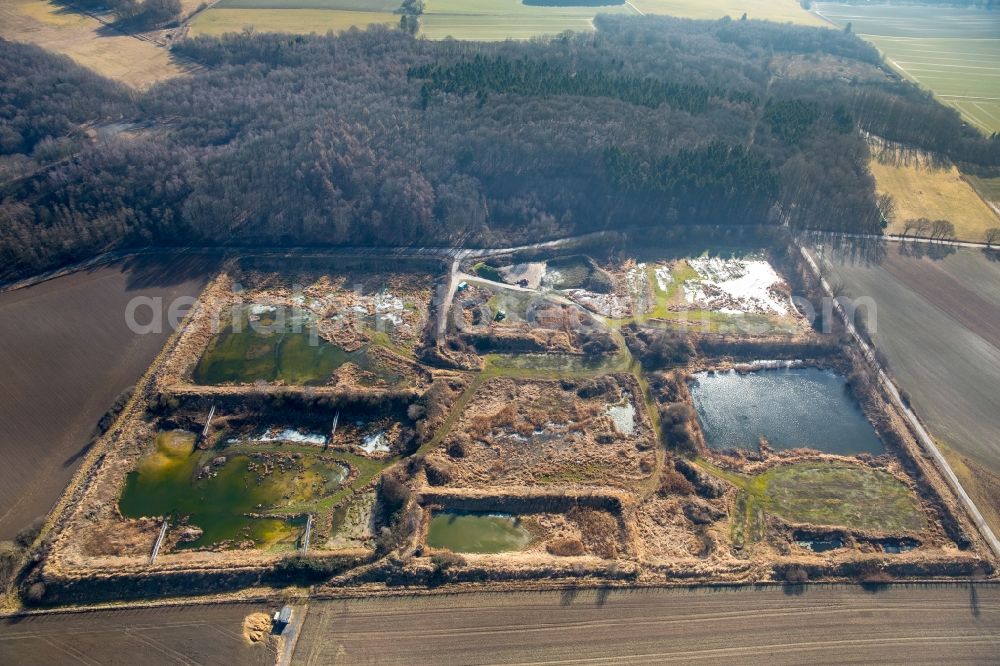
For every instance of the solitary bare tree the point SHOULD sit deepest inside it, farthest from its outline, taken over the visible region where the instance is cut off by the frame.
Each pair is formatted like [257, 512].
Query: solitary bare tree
[992, 236]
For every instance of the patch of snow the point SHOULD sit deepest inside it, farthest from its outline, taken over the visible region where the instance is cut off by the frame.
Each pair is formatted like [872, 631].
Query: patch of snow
[635, 278]
[551, 278]
[624, 417]
[663, 277]
[259, 309]
[608, 305]
[387, 302]
[376, 443]
[735, 286]
[284, 435]
[392, 318]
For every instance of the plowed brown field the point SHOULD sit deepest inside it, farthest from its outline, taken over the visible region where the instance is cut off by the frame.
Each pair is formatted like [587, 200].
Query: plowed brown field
[66, 354]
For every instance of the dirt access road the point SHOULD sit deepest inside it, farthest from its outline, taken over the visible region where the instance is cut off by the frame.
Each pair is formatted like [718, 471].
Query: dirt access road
[832, 624]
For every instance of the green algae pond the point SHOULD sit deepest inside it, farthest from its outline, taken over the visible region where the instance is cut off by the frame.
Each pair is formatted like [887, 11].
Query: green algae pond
[472, 532]
[173, 481]
[790, 408]
[263, 344]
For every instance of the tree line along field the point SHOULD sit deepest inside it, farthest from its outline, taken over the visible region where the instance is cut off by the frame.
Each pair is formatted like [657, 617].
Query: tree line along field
[954, 52]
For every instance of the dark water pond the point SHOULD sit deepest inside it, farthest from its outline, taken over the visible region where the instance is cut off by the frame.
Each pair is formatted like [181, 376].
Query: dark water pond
[802, 407]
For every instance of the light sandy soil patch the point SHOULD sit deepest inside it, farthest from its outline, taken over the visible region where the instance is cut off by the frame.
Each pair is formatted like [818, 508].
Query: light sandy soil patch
[531, 273]
[132, 61]
[256, 627]
[516, 317]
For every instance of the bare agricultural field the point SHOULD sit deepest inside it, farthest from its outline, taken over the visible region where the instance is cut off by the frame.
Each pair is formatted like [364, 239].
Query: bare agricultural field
[935, 194]
[495, 20]
[221, 20]
[939, 344]
[196, 634]
[67, 353]
[790, 626]
[132, 61]
[780, 11]
[952, 51]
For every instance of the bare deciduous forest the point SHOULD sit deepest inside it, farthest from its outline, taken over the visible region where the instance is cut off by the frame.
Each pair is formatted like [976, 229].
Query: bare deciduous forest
[379, 138]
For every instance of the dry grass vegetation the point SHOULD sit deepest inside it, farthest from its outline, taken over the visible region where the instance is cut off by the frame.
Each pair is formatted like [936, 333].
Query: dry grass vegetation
[920, 190]
[132, 61]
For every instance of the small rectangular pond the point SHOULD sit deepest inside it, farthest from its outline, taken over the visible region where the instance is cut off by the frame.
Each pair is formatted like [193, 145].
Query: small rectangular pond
[263, 344]
[472, 532]
[791, 408]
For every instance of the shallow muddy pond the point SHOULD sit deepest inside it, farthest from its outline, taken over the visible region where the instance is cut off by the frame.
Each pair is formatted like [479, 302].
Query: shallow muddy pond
[274, 348]
[172, 481]
[803, 407]
[462, 532]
